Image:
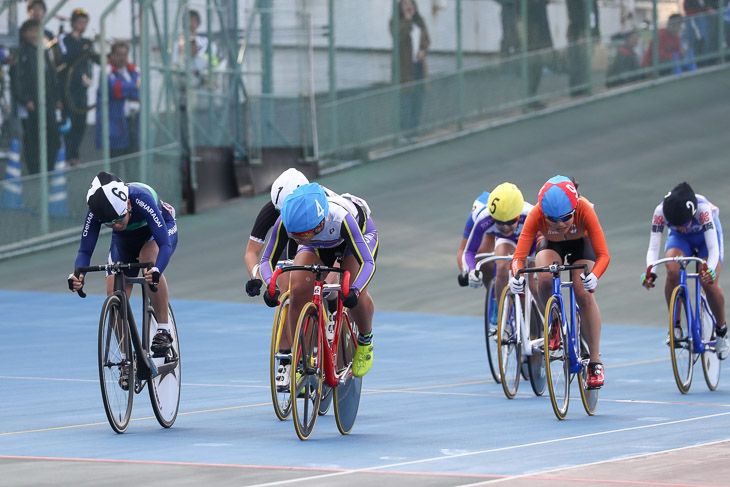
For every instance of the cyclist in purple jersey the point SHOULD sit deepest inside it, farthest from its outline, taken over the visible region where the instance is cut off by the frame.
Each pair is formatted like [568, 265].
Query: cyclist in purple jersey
[487, 245]
[325, 228]
[143, 230]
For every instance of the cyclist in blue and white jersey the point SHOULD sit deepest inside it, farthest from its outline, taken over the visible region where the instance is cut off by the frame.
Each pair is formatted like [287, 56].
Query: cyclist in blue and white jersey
[694, 230]
[325, 227]
[143, 230]
[502, 223]
[487, 245]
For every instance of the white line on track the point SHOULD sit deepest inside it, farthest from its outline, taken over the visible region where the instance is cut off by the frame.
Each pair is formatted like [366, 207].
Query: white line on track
[492, 450]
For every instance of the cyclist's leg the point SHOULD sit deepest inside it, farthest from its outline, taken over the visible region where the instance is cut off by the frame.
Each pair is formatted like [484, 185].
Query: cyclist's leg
[545, 257]
[677, 246]
[487, 271]
[590, 315]
[503, 247]
[715, 297]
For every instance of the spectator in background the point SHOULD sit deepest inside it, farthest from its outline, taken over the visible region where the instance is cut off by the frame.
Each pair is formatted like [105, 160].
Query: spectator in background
[123, 80]
[538, 38]
[625, 64]
[411, 64]
[202, 52]
[36, 11]
[75, 73]
[701, 26]
[510, 44]
[577, 50]
[669, 45]
[24, 87]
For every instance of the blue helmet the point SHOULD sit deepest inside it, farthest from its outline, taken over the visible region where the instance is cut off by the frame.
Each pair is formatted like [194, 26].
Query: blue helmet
[304, 208]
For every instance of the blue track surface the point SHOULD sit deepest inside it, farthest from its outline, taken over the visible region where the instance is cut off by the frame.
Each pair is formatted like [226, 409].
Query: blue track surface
[428, 406]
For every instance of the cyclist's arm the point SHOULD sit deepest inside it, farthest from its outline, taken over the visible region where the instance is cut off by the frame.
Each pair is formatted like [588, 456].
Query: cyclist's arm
[89, 237]
[264, 221]
[710, 232]
[655, 237]
[598, 240]
[156, 223]
[527, 238]
[474, 242]
[350, 231]
[277, 244]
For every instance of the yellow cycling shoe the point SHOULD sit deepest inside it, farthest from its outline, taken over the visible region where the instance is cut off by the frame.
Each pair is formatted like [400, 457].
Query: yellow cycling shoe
[363, 359]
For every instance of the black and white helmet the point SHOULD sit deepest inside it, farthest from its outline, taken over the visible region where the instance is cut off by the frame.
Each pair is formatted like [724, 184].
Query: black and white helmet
[680, 205]
[285, 184]
[107, 197]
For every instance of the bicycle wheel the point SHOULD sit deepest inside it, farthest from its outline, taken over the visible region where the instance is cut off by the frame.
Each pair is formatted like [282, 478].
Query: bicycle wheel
[680, 340]
[557, 361]
[509, 348]
[164, 388]
[588, 396]
[347, 393]
[710, 361]
[536, 361]
[116, 365]
[326, 402]
[491, 308]
[306, 381]
[280, 398]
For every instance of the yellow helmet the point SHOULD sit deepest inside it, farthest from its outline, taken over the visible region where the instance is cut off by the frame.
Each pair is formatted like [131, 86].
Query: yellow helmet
[505, 202]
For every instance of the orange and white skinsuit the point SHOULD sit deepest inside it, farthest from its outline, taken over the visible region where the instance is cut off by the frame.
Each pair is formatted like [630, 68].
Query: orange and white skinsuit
[583, 226]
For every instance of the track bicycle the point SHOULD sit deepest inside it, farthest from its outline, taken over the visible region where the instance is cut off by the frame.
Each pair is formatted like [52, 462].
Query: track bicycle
[520, 341]
[126, 362]
[691, 327]
[566, 353]
[280, 396]
[491, 303]
[316, 361]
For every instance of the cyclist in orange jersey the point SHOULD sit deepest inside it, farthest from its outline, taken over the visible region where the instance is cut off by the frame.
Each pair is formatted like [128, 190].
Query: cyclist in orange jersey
[572, 234]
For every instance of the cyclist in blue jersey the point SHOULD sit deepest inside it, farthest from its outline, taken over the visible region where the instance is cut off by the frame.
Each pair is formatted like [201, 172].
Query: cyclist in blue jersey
[486, 245]
[326, 227]
[143, 230]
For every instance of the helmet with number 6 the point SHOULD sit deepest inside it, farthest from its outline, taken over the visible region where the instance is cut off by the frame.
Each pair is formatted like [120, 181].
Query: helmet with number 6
[283, 186]
[680, 205]
[558, 196]
[107, 197]
[505, 202]
[305, 208]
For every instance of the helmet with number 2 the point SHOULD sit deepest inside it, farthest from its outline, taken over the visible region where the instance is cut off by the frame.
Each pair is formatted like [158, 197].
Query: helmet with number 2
[558, 196]
[680, 205]
[305, 208]
[505, 202]
[283, 186]
[107, 197]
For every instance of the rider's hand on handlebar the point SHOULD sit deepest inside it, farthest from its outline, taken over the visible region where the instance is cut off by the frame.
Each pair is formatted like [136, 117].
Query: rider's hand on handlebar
[75, 283]
[350, 301]
[253, 287]
[463, 279]
[517, 285]
[589, 282]
[707, 275]
[475, 278]
[272, 301]
[648, 281]
[152, 276]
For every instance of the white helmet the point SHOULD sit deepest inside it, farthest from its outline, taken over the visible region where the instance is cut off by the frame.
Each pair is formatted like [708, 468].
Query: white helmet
[107, 197]
[283, 186]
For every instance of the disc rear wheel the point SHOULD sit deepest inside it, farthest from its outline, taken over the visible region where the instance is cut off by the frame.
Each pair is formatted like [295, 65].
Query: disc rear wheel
[280, 397]
[536, 360]
[588, 396]
[164, 388]
[491, 315]
[347, 393]
[710, 361]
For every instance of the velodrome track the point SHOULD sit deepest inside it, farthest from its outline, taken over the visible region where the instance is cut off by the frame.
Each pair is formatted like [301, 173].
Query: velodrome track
[430, 415]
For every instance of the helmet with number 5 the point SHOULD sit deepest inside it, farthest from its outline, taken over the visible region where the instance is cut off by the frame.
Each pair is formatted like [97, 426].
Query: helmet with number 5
[305, 208]
[680, 205]
[283, 186]
[558, 196]
[505, 202]
[107, 197]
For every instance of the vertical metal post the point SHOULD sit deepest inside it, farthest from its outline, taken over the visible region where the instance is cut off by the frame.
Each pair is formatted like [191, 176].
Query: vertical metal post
[310, 91]
[396, 67]
[105, 85]
[332, 75]
[144, 97]
[589, 44]
[655, 38]
[459, 65]
[267, 68]
[189, 99]
[41, 110]
[524, 68]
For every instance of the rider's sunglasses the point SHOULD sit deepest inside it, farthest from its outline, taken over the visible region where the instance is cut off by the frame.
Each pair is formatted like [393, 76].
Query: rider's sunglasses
[561, 219]
[116, 220]
[508, 223]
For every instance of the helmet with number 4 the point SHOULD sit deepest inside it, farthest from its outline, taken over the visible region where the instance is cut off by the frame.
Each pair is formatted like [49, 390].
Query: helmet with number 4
[680, 205]
[505, 202]
[305, 208]
[283, 186]
[558, 196]
[107, 197]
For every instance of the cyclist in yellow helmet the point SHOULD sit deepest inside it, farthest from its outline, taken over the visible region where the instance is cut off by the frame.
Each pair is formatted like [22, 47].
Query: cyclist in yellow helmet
[501, 221]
